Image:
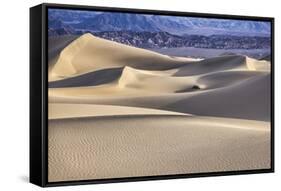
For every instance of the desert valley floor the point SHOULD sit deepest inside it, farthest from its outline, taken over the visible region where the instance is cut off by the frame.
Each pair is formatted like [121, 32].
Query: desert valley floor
[120, 111]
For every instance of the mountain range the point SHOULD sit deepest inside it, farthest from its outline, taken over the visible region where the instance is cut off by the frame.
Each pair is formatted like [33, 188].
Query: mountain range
[167, 40]
[113, 21]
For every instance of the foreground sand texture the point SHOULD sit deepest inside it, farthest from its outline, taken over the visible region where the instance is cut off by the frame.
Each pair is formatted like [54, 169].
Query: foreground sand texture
[120, 111]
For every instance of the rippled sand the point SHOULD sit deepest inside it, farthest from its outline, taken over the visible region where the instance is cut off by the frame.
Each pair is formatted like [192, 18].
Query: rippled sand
[119, 111]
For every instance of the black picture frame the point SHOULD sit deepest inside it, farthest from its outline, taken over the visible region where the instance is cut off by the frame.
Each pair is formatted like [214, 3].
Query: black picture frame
[39, 95]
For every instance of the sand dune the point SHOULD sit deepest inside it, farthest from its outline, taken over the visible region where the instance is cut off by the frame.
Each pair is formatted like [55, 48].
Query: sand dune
[63, 111]
[120, 146]
[226, 78]
[247, 100]
[260, 65]
[55, 46]
[225, 91]
[119, 111]
[89, 53]
[94, 78]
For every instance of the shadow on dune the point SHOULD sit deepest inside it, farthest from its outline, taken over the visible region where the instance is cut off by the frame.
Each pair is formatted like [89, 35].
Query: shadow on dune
[189, 89]
[212, 65]
[248, 100]
[57, 44]
[90, 79]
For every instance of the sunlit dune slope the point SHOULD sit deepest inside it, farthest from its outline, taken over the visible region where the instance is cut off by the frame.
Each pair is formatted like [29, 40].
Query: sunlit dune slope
[89, 53]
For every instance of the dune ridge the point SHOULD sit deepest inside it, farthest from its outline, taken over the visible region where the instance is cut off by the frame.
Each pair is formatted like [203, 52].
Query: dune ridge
[64, 111]
[90, 53]
[121, 111]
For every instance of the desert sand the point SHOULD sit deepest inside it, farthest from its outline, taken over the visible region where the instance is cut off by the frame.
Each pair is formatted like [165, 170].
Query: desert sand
[120, 111]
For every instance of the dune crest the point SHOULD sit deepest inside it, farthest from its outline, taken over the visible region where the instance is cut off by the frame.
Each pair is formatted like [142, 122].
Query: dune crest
[89, 53]
[259, 65]
[130, 77]
[66, 111]
[66, 57]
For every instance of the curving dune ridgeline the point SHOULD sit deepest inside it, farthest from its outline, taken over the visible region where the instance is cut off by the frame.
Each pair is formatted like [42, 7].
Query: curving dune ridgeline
[120, 111]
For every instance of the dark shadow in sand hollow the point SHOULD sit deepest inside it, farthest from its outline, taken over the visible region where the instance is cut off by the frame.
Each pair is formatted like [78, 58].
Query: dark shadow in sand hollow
[90, 79]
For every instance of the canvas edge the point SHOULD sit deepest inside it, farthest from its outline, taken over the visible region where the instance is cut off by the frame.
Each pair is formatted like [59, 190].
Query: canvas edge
[44, 142]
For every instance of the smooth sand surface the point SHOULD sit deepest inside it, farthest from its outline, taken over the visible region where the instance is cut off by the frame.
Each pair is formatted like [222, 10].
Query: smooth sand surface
[63, 111]
[120, 111]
